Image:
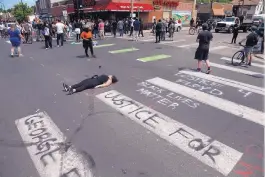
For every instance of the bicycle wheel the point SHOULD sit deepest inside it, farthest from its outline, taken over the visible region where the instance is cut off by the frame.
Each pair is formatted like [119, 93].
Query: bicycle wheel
[238, 58]
[191, 31]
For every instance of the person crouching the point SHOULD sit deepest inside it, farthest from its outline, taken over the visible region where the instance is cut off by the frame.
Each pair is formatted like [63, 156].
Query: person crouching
[86, 35]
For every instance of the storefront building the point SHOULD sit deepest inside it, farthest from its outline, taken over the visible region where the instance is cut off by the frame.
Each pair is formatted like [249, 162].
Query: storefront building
[147, 10]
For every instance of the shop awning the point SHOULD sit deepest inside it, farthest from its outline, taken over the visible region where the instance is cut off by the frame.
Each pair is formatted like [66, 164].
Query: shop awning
[122, 7]
[218, 12]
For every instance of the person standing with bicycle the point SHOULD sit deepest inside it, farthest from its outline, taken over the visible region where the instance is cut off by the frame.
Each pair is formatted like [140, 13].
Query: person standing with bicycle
[202, 51]
[251, 41]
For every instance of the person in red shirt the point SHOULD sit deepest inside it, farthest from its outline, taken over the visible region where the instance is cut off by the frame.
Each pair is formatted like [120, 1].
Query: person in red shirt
[86, 35]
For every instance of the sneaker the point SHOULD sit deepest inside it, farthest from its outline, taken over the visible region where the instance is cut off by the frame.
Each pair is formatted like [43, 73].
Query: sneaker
[46, 48]
[208, 71]
[66, 87]
[71, 92]
[249, 64]
[199, 69]
[58, 46]
[94, 56]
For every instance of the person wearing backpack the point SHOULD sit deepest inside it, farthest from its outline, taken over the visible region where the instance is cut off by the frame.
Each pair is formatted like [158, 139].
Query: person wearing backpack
[48, 35]
[251, 41]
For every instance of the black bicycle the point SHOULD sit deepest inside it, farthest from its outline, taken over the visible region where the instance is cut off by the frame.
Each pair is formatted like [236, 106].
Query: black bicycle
[239, 57]
[194, 30]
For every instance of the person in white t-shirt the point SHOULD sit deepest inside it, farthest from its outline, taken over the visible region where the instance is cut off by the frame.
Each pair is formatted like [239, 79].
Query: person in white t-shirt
[60, 27]
[2, 27]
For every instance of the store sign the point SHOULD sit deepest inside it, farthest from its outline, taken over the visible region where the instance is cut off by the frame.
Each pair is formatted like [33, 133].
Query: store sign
[166, 3]
[129, 7]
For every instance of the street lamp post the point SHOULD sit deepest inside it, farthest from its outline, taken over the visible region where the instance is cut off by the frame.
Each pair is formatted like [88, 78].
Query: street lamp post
[131, 8]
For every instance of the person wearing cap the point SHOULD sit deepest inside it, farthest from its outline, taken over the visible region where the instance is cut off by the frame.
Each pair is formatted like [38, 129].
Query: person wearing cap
[251, 41]
[202, 51]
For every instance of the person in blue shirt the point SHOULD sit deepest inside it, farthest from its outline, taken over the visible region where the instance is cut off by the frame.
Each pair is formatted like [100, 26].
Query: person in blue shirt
[136, 28]
[15, 39]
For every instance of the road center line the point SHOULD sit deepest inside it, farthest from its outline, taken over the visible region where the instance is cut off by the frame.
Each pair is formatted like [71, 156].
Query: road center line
[219, 103]
[153, 58]
[48, 150]
[188, 45]
[218, 48]
[167, 42]
[205, 149]
[123, 50]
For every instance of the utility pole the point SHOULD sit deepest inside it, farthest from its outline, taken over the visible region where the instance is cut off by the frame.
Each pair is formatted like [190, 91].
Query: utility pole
[23, 9]
[194, 9]
[131, 8]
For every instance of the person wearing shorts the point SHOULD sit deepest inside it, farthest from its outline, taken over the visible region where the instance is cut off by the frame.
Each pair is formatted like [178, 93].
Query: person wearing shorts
[251, 41]
[15, 39]
[101, 29]
[202, 51]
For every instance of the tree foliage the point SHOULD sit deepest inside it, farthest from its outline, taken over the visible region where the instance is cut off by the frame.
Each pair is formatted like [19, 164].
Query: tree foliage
[21, 11]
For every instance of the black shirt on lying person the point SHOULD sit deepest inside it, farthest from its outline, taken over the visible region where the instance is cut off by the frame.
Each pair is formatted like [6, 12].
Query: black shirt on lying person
[91, 83]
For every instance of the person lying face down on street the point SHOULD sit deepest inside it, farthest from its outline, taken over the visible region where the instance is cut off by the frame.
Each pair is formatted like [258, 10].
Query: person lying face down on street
[91, 83]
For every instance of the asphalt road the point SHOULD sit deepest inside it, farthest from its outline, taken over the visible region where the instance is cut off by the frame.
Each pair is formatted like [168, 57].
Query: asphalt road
[152, 123]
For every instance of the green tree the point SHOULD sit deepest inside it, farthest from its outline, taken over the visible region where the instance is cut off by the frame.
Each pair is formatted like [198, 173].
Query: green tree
[21, 11]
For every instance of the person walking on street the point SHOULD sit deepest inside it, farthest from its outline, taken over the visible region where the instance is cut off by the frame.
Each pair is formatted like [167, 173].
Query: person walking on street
[48, 35]
[131, 27]
[114, 27]
[235, 32]
[101, 27]
[202, 51]
[158, 29]
[141, 28]
[163, 30]
[60, 27]
[86, 35]
[26, 31]
[15, 39]
[78, 27]
[136, 28]
[120, 27]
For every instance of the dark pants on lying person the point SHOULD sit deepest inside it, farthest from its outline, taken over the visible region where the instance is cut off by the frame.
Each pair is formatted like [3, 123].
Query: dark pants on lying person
[88, 44]
[85, 84]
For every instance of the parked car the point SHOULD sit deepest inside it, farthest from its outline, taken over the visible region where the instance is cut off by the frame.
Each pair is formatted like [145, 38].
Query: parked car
[178, 25]
[8, 25]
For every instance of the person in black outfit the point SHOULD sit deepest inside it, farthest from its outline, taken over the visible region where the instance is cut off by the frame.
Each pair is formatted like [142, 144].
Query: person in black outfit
[235, 32]
[191, 22]
[158, 31]
[202, 51]
[114, 27]
[91, 83]
[78, 27]
[141, 28]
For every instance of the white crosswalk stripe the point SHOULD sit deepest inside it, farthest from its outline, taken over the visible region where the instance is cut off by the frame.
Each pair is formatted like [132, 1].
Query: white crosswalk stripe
[252, 64]
[242, 71]
[174, 132]
[219, 103]
[224, 81]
